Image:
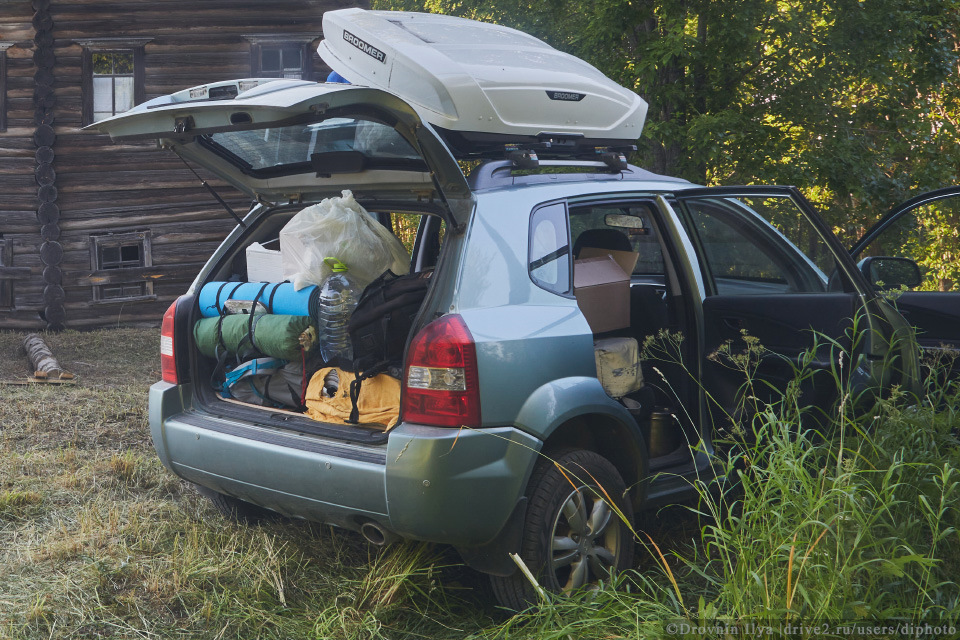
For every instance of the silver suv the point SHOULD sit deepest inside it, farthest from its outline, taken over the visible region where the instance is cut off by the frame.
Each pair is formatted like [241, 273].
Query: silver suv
[514, 442]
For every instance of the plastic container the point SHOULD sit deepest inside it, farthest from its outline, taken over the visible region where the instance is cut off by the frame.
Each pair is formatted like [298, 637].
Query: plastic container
[338, 298]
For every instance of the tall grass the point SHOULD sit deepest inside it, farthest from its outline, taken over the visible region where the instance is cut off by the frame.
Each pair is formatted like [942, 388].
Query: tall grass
[851, 514]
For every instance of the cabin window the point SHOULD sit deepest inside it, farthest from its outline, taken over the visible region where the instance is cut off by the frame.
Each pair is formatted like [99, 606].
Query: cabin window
[113, 77]
[6, 286]
[279, 57]
[112, 83]
[3, 84]
[281, 62]
[118, 261]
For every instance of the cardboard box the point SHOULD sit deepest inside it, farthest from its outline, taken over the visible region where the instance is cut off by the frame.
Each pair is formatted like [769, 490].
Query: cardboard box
[626, 259]
[263, 264]
[603, 293]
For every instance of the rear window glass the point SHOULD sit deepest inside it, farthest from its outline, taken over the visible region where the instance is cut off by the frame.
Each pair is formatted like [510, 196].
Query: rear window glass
[549, 251]
[293, 145]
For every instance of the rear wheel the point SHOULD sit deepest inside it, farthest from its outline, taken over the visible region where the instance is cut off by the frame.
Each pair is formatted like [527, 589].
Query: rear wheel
[573, 535]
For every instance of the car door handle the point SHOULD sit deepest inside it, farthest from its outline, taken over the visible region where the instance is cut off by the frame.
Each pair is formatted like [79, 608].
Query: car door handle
[732, 323]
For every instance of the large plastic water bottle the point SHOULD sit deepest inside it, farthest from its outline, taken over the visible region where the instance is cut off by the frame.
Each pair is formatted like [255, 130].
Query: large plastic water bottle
[338, 299]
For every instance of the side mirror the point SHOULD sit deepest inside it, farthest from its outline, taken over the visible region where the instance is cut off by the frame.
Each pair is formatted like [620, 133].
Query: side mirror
[886, 272]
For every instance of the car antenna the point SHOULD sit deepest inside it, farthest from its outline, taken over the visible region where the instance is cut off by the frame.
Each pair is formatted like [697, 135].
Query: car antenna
[212, 192]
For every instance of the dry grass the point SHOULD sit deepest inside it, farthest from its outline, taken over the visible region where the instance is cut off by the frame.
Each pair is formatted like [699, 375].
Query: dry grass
[98, 540]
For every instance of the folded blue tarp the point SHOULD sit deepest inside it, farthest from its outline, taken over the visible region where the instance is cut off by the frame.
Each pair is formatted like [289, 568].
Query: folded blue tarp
[279, 298]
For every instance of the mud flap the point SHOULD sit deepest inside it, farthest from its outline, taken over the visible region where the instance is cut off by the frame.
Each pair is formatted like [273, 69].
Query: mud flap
[494, 557]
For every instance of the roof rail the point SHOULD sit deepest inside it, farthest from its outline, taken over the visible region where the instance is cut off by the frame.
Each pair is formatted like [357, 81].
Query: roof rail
[503, 173]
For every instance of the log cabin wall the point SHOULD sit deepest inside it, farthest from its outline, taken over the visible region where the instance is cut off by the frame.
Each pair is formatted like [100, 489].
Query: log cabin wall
[96, 233]
[21, 282]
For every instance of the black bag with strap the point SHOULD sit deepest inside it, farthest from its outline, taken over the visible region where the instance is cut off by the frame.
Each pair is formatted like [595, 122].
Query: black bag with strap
[384, 316]
[381, 324]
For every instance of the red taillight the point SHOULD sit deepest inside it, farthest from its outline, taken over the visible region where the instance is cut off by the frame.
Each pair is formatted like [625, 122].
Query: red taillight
[440, 382]
[168, 358]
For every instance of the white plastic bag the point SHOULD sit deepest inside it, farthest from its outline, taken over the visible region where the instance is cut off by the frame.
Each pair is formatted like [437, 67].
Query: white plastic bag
[339, 228]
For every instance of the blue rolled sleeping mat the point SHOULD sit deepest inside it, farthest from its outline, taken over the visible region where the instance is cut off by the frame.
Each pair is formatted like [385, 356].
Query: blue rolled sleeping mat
[278, 298]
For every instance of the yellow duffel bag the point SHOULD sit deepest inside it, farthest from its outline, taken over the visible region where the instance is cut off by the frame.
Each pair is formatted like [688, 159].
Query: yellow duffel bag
[377, 404]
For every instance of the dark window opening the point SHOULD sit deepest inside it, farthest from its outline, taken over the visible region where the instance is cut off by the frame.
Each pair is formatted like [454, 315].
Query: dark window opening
[116, 254]
[276, 56]
[281, 62]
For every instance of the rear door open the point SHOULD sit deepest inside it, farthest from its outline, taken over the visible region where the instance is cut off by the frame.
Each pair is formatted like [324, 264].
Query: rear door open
[780, 294]
[922, 230]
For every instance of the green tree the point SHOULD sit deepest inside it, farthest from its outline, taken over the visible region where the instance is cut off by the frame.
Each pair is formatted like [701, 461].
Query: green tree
[855, 102]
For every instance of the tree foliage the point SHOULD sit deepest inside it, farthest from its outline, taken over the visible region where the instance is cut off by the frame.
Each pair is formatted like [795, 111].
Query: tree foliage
[855, 102]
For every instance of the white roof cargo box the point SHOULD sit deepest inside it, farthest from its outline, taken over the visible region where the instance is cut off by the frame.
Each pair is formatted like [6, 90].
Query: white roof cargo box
[469, 76]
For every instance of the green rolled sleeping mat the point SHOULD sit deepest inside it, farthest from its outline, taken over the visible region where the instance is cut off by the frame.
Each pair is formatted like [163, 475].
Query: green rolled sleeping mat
[267, 334]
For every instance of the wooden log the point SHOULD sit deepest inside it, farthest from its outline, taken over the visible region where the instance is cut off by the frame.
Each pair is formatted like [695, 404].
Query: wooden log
[45, 365]
[44, 39]
[45, 174]
[44, 117]
[44, 58]
[56, 317]
[51, 253]
[53, 295]
[44, 155]
[50, 232]
[134, 274]
[45, 136]
[42, 22]
[47, 193]
[48, 213]
[53, 275]
[14, 273]
[43, 77]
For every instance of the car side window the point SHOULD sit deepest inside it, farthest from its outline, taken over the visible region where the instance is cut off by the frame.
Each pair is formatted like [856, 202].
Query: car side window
[753, 248]
[549, 250]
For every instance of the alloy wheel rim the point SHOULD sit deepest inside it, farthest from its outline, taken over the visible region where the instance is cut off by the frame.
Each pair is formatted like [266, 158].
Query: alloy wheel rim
[585, 544]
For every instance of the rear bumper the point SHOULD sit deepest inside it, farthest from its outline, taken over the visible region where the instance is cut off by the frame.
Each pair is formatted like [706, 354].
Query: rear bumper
[443, 485]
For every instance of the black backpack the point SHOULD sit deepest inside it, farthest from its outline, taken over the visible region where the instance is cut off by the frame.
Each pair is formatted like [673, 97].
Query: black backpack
[383, 318]
[381, 324]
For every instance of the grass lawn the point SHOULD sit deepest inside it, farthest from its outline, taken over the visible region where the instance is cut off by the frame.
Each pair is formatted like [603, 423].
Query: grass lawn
[98, 540]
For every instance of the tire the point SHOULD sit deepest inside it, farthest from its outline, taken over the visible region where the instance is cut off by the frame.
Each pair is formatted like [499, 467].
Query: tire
[235, 509]
[594, 540]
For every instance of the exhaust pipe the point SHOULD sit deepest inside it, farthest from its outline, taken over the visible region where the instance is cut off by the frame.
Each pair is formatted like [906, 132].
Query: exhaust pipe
[377, 535]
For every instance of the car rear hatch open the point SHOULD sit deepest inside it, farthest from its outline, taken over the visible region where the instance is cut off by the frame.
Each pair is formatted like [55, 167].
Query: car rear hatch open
[280, 141]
